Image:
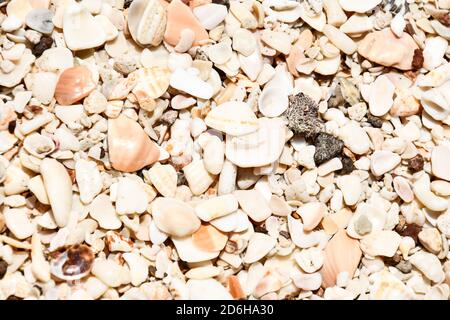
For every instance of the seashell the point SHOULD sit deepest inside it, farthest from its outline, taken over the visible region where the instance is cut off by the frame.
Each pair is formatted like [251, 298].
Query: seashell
[164, 179]
[17, 222]
[187, 82]
[207, 289]
[22, 68]
[216, 207]
[429, 265]
[403, 189]
[147, 21]
[270, 283]
[89, 180]
[244, 42]
[180, 102]
[282, 10]
[38, 145]
[74, 263]
[40, 19]
[389, 287]
[19, 8]
[235, 288]
[81, 29]
[108, 27]
[383, 161]
[253, 204]
[383, 47]
[132, 196]
[151, 83]
[231, 222]
[357, 24]
[180, 17]
[213, 155]
[433, 54]
[208, 238]
[58, 186]
[311, 214]
[279, 41]
[130, 149]
[273, 102]
[111, 272]
[102, 210]
[381, 96]
[359, 6]
[174, 217]
[233, 117]
[342, 254]
[381, 243]
[73, 85]
[189, 252]
[36, 186]
[243, 15]
[258, 148]
[198, 178]
[210, 15]
[308, 282]
[436, 77]
[279, 207]
[439, 165]
[436, 101]
[259, 246]
[252, 65]
[139, 267]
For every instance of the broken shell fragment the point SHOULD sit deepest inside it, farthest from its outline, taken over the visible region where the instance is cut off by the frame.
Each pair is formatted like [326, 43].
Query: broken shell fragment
[74, 263]
[130, 148]
[233, 118]
[73, 85]
[208, 238]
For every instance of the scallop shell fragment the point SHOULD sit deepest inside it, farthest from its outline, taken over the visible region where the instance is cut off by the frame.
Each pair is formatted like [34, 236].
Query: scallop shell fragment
[258, 148]
[234, 118]
[151, 83]
[164, 179]
[147, 21]
[198, 178]
[208, 238]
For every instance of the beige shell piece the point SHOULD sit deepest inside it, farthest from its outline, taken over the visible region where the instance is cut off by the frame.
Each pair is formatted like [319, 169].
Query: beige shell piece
[151, 83]
[342, 253]
[198, 178]
[147, 21]
[164, 179]
[258, 148]
[38, 145]
[208, 238]
[130, 149]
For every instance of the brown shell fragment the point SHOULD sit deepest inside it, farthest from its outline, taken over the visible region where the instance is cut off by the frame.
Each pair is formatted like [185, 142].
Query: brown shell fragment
[73, 264]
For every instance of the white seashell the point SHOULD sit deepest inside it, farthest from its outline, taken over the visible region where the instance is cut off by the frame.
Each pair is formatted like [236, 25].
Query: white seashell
[207, 289]
[131, 196]
[164, 179]
[381, 243]
[220, 53]
[138, 267]
[328, 66]
[191, 84]
[244, 42]
[403, 189]
[102, 210]
[213, 155]
[81, 30]
[40, 19]
[89, 181]
[311, 214]
[429, 265]
[36, 186]
[109, 29]
[439, 165]
[359, 6]
[351, 188]
[308, 282]
[436, 102]
[58, 186]
[198, 178]
[229, 222]
[189, 252]
[210, 15]
[111, 272]
[355, 138]
[174, 217]
[357, 24]
[227, 178]
[316, 22]
[433, 54]
[201, 273]
[398, 24]
[38, 145]
[279, 41]
[310, 260]
[282, 10]
[383, 161]
[17, 221]
[157, 236]
[340, 39]
[423, 193]
[253, 204]
[389, 287]
[299, 237]
[216, 207]
[381, 96]
[233, 117]
[147, 21]
[252, 64]
[279, 206]
[39, 265]
[259, 148]
[273, 102]
[258, 247]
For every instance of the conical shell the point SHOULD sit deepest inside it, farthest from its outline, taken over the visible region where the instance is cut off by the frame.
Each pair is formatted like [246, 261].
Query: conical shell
[130, 149]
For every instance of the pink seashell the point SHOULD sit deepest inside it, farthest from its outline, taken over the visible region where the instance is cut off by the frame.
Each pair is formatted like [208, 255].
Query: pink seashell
[73, 85]
[130, 148]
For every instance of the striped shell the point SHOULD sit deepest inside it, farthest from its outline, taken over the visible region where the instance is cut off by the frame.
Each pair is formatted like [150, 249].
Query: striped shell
[198, 178]
[164, 179]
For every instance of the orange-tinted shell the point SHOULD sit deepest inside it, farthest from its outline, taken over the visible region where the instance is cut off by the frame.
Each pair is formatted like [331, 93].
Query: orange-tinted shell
[179, 17]
[73, 85]
[342, 253]
[208, 238]
[130, 148]
[235, 288]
